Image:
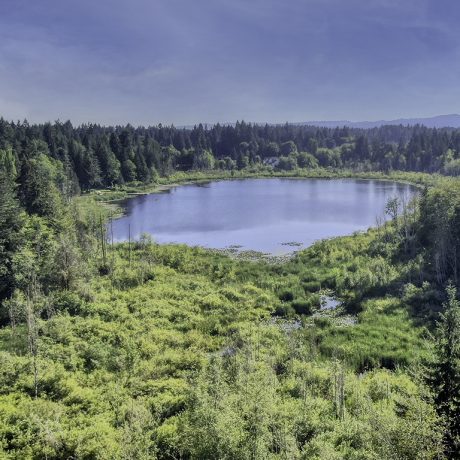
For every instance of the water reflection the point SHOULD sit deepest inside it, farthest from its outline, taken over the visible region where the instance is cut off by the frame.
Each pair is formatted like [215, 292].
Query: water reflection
[258, 214]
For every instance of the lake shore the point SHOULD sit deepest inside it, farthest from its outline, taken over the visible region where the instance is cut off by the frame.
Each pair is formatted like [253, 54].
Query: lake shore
[269, 215]
[112, 197]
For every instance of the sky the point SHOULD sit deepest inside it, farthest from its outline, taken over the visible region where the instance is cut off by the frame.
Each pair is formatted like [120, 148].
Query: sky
[183, 62]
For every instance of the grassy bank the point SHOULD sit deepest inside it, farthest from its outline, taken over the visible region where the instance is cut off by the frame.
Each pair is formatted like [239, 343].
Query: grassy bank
[181, 178]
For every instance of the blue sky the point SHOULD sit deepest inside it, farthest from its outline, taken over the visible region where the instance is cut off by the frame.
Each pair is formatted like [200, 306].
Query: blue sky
[189, 61]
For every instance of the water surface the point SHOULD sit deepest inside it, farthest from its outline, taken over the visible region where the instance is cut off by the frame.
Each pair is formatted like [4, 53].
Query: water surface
[269, 215]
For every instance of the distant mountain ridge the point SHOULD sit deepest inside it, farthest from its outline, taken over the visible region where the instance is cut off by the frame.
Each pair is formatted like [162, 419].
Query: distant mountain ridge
[439, 121]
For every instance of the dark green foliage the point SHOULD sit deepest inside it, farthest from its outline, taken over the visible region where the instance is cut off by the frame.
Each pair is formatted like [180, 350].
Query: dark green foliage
[307, 160]
[287, 163]
[164, 351]
[302, 307]
[86, 166]
[445, 372]
[110, 165]
[38, 186]
[439, 232]
[142, 171]
[8, 163]
[287, 148]
[11, 222]
[128, 170]
[97, 156]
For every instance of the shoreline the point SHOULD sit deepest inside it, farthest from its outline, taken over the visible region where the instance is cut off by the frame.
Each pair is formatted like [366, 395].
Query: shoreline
[113, 204]
[115, 207]
[117, 194]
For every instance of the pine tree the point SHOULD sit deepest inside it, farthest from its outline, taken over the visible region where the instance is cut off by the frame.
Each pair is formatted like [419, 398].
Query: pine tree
[39, 192]
[110, 166]
[128, 170]
[445, 375]
[10, 223]
[143, 173]
[8, 162]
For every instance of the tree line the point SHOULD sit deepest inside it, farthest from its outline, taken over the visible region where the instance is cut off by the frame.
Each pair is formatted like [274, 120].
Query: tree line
[94, 156]
[55, 276]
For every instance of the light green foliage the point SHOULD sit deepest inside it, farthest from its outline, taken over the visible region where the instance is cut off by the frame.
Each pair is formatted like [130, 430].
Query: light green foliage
[164, 351]
[176, 355]
[40, 191]
[203, 159]
[384, 336]
[144, 351]
[328, 157]
[8, 163]
[243, 407]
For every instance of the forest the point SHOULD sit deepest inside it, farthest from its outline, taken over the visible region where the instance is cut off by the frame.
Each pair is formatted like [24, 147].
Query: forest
[92, 156]
[138, 350]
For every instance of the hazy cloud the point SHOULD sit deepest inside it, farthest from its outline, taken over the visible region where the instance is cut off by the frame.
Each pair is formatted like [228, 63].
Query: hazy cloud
[175, 61]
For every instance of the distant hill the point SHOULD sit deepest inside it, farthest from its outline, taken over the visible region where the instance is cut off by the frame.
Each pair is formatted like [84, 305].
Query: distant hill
[439, 121]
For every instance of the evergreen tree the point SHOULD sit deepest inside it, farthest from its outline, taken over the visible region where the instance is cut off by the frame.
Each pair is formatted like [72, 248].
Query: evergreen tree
[8, 162]
[143, 173]
[110, 166]
[86, 165]
[11, 221]
[445, 374]
[96, 155]
[115, 146]
[128, 171]
[39, 189]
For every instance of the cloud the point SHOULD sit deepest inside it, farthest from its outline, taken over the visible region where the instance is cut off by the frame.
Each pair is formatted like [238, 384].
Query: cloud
[176, 61]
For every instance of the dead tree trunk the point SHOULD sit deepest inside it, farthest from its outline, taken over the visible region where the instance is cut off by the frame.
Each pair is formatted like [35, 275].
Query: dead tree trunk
[32, 333]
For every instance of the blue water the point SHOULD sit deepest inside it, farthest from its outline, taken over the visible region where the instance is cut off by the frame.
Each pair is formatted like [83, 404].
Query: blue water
[258, 214]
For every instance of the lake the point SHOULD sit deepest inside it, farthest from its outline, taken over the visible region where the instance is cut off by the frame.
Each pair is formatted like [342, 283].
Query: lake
[275, 216]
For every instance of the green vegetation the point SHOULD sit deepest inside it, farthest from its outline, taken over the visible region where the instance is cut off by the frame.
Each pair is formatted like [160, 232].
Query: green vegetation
[177, 353]
[445, 371]
[97, 157]
[139, 350]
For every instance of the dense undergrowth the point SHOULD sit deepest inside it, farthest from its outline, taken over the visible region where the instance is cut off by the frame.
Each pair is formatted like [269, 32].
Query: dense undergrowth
[184, 353]
[139, 351]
